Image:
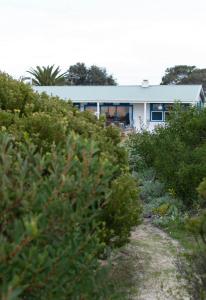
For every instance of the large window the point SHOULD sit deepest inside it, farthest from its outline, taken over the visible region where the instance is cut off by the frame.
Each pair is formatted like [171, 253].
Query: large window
[92, 107]
[117, 114]
[77, 105]
[160, 112]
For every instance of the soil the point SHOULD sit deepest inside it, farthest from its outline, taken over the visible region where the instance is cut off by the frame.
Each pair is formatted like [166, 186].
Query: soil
[147, 266]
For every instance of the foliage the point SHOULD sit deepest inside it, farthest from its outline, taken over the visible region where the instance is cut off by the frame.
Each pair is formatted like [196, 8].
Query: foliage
[195, 270]
[79, 74]
[162, 210]
[66, 195]
[47, 76]
[202, 192]
[170, 163]
[176, 152]
[99, 76]
[14, 95]
[176, 74]
[50, 219]
[183, 74]
[123, 208]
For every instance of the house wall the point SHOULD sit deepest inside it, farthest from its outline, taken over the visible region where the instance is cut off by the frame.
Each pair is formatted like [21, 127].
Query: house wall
[151, 125]
[138, 115]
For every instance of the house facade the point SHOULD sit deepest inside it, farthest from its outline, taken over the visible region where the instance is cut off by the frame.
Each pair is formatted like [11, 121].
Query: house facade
[137, 107]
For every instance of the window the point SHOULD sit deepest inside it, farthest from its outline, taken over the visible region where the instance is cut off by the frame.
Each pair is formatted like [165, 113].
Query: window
[77, 105]
[156, 116]
[91, 107]
[157, 106]
[159, 112]
[166, 115]
[116, 113]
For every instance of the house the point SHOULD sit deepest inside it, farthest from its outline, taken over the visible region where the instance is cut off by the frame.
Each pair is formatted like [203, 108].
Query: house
[143, 106]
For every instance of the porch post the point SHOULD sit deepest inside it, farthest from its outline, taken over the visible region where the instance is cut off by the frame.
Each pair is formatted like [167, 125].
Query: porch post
[98, 110]
[81, 106]
[145, 114]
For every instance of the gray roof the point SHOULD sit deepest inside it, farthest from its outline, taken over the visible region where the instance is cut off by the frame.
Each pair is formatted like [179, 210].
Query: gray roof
[155, 93]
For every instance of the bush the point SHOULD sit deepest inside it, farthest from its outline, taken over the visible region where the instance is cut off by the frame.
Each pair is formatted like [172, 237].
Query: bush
[202, 192]
[123, 208]
[176, 152]
[14, 95]
[50, 220]
[66, 195]
[195, 271]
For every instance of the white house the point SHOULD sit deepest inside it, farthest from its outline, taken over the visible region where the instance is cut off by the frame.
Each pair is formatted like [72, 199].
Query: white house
[129, 106]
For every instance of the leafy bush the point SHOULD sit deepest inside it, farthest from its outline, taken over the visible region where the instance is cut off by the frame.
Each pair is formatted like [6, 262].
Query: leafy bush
[202, 192]
[50, 220]
[66, 195]
[176, 152]
[195, 270]
[123, 208]
[14, 95]
[162, 210]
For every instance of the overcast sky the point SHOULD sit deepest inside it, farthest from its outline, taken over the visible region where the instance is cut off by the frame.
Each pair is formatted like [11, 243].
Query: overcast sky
[133, 39]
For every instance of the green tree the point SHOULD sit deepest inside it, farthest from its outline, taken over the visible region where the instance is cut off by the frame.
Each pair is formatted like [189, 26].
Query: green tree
[79, 74]
[47, 75]
[99, 76]
[184, 74]
[177, 74]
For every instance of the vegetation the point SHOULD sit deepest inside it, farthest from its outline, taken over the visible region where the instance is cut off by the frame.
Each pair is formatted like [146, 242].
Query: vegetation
[66, 197]
[170, 164]
[177, 152]
[183, 74]
[79, 74]
[47, 76]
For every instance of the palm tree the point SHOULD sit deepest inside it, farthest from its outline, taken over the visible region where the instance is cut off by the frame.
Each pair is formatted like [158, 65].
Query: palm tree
[47, 76]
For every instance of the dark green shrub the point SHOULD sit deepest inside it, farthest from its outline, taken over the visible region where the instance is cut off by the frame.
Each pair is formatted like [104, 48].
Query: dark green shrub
[50, 220]
[195, 267]
[60, 172]
[123, 208]
[176, 152]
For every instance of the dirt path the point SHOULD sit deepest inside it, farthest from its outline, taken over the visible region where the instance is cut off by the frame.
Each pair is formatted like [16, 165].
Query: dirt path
[148, 266]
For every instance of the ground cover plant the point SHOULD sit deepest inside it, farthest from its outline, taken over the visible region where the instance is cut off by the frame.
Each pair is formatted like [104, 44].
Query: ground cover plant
[66, 196]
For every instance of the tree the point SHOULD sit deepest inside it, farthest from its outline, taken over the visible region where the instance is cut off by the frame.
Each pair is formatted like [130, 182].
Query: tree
[99, 76]
[47, 76]
[198, 76]
[184, 74]
[79, 74]
[177, 74]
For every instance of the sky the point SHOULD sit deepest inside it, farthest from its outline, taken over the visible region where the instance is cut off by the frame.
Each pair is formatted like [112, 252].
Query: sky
[132, 39]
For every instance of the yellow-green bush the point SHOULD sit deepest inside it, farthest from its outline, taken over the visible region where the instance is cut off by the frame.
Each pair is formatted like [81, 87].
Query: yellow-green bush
[162, 210]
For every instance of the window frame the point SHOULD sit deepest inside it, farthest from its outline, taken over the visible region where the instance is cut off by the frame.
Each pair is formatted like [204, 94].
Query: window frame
[119, 104]
[163, 111]
[157, 111]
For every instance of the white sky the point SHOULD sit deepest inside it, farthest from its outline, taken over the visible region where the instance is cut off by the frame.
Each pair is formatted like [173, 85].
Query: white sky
[133, 39]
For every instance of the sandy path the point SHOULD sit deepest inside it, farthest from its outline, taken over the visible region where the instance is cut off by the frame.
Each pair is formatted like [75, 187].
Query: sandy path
[150, 260]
